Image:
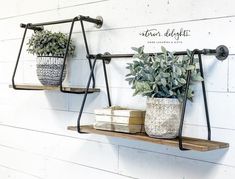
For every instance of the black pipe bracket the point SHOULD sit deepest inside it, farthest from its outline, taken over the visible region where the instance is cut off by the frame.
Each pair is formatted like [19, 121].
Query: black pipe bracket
[222, 52]
[37, 28]
[100, 20]
[107, 59]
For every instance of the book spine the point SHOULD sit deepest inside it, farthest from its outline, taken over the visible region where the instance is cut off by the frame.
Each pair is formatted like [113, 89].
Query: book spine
[122, 120]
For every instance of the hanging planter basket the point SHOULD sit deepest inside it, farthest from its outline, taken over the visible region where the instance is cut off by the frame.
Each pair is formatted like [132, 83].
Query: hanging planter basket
[49, 69]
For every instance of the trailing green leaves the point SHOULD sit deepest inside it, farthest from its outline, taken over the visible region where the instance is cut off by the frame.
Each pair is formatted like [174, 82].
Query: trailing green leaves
[162, 75]
[47, 43]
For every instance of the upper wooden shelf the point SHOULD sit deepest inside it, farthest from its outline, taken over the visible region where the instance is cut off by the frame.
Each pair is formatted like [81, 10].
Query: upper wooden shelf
[188, 142]
[40, 87]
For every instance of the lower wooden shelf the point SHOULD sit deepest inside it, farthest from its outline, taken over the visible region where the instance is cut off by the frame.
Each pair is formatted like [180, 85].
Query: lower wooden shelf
[40, 87]
[188, 142]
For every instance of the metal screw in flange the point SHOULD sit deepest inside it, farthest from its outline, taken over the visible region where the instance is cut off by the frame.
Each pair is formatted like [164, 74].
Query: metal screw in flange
[98, 26]
[107, 59]
[222, 52]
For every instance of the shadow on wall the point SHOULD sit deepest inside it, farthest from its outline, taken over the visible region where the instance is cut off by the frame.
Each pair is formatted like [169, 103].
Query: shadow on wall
[150, 161]
[166, 163]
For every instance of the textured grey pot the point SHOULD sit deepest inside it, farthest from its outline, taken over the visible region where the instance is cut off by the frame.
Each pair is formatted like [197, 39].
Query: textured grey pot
[162, 118]
[49, 70]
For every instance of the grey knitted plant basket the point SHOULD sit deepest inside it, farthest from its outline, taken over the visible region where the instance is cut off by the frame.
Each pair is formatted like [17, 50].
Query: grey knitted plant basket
[49, 70]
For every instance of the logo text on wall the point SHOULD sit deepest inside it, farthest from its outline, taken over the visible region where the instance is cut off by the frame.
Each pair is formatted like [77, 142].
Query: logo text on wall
[166, 36]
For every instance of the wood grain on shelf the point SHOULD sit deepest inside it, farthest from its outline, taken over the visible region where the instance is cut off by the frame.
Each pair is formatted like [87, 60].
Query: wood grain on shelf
[188, 142]
[40, 87]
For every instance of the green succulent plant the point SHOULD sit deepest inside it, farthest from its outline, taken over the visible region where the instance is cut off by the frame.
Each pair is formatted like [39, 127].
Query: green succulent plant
[43, 43]
[162, 75]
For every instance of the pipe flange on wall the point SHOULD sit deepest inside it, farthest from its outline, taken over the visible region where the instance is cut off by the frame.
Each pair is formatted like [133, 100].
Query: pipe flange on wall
[222, 52]
[98, 26]
[107, 59]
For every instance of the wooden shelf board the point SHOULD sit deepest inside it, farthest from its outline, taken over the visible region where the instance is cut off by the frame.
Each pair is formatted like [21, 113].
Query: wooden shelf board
[41, 87]
[188, 142]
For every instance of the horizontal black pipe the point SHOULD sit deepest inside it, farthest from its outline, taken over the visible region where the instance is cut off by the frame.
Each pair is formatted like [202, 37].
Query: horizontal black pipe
[212, 51]
[221, 53]
[39, 28]
[78, 18]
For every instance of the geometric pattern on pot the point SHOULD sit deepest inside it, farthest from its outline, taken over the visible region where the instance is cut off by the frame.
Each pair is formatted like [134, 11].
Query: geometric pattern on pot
[49, 70]
[162, 118]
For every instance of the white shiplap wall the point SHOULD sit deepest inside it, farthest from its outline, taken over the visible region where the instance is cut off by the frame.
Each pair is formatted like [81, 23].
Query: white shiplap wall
[34, 142]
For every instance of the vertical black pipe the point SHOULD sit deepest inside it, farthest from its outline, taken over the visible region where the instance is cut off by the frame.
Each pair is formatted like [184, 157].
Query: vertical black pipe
[66, 53]
[85, 96]
[106, 82]
[205, 98]
[18, 57]
[87, 51]
[184, 103]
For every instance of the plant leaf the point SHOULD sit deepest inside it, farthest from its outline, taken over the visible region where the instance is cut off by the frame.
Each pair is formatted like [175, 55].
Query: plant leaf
[163, 81]
[163, 49]
[181, 80]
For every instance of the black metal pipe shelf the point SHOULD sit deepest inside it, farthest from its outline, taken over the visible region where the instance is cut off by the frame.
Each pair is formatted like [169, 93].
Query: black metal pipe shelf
[221, 53]
[98, 21]
[39, 26]
[212, 51]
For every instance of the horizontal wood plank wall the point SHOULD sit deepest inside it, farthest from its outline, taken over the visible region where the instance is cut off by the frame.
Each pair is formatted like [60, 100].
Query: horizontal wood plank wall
[34, 142]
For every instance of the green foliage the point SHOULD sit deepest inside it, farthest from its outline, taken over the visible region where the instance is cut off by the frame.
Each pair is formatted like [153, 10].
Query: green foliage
[162, 75]
[46, 42]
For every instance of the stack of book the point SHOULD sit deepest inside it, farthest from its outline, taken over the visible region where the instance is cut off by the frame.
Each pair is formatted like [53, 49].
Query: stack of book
[119, 119]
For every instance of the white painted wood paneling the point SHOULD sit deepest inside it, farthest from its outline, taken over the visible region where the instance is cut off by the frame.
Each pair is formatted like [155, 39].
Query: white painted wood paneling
[45, 142]
[51, 168]
[15, 8]
[192, 9]
[20, 160]
[211, 37]
[216, 73]
[49, 141]
[6, 72]
[222, 157]
[56, 100]
[122, 20]
[98, 39]
[151, 12]
[221, 115]
[41, 120]
[34, 142]
[88, 153]
[119, 96]
[10, 28]
[6, 172]
[148, 165]
[231, 75]
[33, 99]
[73, 3]
[61, 170]
[84, 152]
[7, 52]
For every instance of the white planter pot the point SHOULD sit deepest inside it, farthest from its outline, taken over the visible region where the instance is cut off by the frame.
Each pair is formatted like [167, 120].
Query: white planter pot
[49, 70]
[162, 117]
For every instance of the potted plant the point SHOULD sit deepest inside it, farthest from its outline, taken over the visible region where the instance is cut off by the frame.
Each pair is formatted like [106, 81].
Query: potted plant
[162, 78]
[50, 49]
